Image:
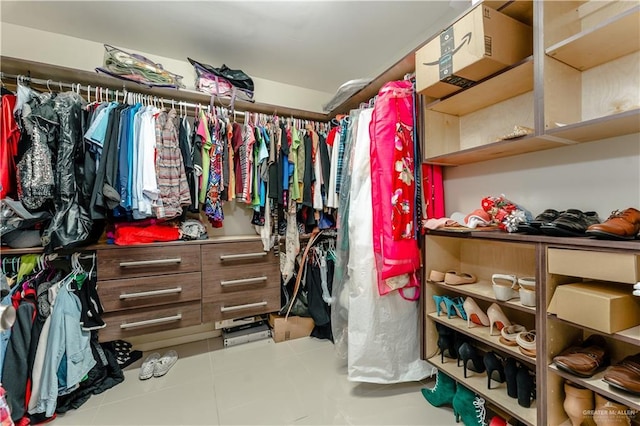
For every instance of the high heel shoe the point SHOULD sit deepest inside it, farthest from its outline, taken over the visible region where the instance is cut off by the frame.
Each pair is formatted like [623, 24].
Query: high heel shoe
[455, 306]
[497, 317]
[493, 364]
[474, 313]
[510, 373]
[446, 342]
[470, 359]
[441, 305]
[526, 387]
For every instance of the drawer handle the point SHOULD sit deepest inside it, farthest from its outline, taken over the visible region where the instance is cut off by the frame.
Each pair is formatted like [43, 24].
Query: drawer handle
[239, 307]
[243, 281]
[155, 262]
[150, 293]
[151, 322]
[224, 257]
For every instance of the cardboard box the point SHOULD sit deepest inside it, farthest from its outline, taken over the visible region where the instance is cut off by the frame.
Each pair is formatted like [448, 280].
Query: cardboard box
[290, 328]
[479, 44]
[601, 306]
[597, 265]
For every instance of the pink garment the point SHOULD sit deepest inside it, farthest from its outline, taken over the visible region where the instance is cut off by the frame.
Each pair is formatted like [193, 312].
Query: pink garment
[433, 190]
[394, 257]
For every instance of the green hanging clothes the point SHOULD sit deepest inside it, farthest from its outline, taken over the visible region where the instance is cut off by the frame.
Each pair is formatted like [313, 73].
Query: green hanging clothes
[294, 187]
[203, 131]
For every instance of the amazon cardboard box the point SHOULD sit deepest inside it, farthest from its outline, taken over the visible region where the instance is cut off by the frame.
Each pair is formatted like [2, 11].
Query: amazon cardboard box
[479, 44]
[602, 306]
[290, 328]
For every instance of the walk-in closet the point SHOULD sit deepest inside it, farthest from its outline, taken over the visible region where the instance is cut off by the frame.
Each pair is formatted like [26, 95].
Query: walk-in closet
[320, 213]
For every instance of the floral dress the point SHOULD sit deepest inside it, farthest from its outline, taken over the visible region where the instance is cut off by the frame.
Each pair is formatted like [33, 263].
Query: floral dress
[403, 190]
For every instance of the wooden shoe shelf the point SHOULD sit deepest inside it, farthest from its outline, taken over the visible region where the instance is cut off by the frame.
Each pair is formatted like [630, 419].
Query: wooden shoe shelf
[620, 268]
[486, 253]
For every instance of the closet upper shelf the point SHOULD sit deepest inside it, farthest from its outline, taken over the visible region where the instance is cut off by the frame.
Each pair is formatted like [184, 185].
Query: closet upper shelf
[511, 82]
[602, 43]
[47, 71]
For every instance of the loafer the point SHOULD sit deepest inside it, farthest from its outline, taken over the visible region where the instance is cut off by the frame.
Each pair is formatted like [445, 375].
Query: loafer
[584, 360]
[623, 377]
[533, 227]
[621, 225]
[570, 223]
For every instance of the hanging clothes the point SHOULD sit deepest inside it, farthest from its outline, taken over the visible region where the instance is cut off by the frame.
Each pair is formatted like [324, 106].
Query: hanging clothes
[392, 172]
[383, 332]
[9, 137]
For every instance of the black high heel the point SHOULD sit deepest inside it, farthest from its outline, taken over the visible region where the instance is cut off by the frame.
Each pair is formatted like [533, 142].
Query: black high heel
[446, 339]
[470, 359]
[526, 387]
[510, 374]
[493, 364]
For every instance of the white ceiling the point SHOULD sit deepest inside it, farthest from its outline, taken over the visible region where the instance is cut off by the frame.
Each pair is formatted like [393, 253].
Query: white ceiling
[313, 44]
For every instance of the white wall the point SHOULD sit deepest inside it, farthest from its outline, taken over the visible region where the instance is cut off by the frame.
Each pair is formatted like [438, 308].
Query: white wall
[601, 176]
[58, 49]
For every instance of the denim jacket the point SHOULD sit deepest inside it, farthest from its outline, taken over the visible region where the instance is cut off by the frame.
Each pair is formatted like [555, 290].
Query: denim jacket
[65, 337]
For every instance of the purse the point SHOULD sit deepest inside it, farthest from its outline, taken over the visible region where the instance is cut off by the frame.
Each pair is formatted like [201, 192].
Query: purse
[236, 77]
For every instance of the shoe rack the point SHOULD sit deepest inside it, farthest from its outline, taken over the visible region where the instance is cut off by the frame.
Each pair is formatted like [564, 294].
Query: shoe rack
[621, 269]
[486, 253]
[579, 85]
[482, 258]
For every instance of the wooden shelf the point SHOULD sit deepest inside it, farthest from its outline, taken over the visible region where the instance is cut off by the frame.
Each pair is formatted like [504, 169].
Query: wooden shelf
[491, 151]
[596, 384]
[611, 39]
[69, 75]
[497, 395]
[506, 84]
[630, 335]
[482, 334]
[484, 290]
[624, 123]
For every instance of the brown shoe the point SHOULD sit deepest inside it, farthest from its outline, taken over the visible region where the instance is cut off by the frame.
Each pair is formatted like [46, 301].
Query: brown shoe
[621, 225]
[623, 377]
[583, 360]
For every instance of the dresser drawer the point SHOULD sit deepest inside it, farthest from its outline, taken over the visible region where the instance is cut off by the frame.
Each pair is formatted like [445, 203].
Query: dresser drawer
[134, 262]
[234, 279]
[241, 304]
[117, 295]
[249, 254]
[121, 325]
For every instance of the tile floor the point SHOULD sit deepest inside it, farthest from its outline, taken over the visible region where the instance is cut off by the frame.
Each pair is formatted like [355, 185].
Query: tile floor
[299, 382]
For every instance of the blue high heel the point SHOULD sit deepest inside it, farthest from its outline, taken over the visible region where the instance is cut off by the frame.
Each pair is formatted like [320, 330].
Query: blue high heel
[454, 307]
[441, 305]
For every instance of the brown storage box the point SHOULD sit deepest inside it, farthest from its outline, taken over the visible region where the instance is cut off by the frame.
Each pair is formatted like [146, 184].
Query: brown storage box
[597, 265]
[479, 44]
[600, 306]
[290, 328]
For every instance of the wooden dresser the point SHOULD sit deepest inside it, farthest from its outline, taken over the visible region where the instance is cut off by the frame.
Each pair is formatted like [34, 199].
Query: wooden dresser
[159, 287]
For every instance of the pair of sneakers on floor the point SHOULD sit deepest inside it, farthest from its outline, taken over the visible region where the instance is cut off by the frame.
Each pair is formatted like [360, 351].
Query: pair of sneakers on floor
[157, 366]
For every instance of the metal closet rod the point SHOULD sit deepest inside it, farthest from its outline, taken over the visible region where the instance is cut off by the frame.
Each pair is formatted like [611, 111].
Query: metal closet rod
[79, 87]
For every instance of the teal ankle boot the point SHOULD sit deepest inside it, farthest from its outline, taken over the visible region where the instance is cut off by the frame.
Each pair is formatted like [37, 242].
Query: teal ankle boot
[469, 407]
[443, 391]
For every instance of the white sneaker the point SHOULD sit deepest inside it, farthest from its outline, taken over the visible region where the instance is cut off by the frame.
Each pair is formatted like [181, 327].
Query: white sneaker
[148, 366]
[636, 293]
[636, 286]
[165, 363]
